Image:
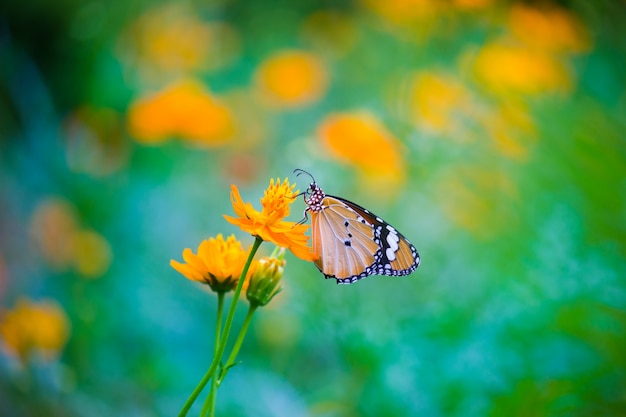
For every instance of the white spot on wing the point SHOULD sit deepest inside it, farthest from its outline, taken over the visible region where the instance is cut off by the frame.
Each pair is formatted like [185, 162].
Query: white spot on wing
[392, 240]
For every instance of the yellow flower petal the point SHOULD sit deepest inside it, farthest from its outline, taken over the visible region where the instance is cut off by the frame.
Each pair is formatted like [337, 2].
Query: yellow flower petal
[269, 224]
[219, 263]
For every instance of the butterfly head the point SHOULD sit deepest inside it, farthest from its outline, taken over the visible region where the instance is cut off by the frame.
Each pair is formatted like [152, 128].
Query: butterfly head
[313, 197]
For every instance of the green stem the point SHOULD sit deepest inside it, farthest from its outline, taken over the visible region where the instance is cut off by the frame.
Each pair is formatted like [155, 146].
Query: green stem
[208, 409]
[218, 327]
[238, 343]
[227, 325]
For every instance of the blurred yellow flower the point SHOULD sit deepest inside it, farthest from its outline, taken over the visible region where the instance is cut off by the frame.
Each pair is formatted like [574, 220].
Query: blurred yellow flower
[511, 128]
[472, 4]
[361, 139]
[403, 11]
[269, 224]
[551, 29]
[218, 264]
[329, 31]
[172, 39]
[439, 103]
[479, 200]
[64, 245]
[184, 109]
[292, 78]
[514, 69]
[34, 328]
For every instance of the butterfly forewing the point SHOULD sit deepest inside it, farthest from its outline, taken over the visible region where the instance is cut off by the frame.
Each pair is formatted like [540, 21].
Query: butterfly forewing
[343, 240]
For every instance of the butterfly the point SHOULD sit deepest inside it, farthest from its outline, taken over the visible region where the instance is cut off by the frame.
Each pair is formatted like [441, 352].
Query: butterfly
[350, 242]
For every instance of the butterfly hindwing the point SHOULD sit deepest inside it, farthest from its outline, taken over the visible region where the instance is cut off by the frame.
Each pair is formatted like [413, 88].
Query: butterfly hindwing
[354, 243]
[397, 256]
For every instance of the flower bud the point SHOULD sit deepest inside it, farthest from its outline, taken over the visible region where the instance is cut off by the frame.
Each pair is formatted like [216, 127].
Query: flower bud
[265, 280]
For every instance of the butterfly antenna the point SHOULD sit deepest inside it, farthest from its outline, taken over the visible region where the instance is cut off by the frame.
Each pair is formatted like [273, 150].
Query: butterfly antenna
[299, 172]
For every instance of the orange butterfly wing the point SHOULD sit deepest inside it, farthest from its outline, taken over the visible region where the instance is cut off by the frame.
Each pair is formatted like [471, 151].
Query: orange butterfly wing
[352, 243]
[344, 244]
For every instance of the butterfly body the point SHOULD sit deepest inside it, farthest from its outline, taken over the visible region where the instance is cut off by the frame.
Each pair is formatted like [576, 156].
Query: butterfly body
[351, 242]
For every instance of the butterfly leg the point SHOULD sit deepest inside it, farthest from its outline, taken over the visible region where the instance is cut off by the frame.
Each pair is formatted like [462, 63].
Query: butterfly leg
[305, 217]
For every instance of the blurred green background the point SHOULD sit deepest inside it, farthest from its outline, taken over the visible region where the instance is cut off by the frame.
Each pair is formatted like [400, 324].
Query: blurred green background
[491, 133]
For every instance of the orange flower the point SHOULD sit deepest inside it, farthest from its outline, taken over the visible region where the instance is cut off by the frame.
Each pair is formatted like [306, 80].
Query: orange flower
[218, 264]
[184, 109]
[34, 327]
[362, 140]
[292, 78]
[269, 224]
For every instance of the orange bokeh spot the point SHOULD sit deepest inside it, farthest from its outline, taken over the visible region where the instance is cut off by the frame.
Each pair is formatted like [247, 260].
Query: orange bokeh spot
[292, 78]
[550, 29]
[362, 140]
[184, 109]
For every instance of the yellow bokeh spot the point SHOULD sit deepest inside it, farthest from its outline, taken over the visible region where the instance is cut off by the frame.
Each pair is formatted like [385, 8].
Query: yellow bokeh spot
[512, 130]
[92, 254]
[403, 11]
[551, 29]
[34, 327]
[64, 245]
[478, 200]
[184, 109]
[514, 69]
[173, 39]
[472, 4]
[278, 331]
[438, 102]
[329, 31]
[361, 139]
[292, 78]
